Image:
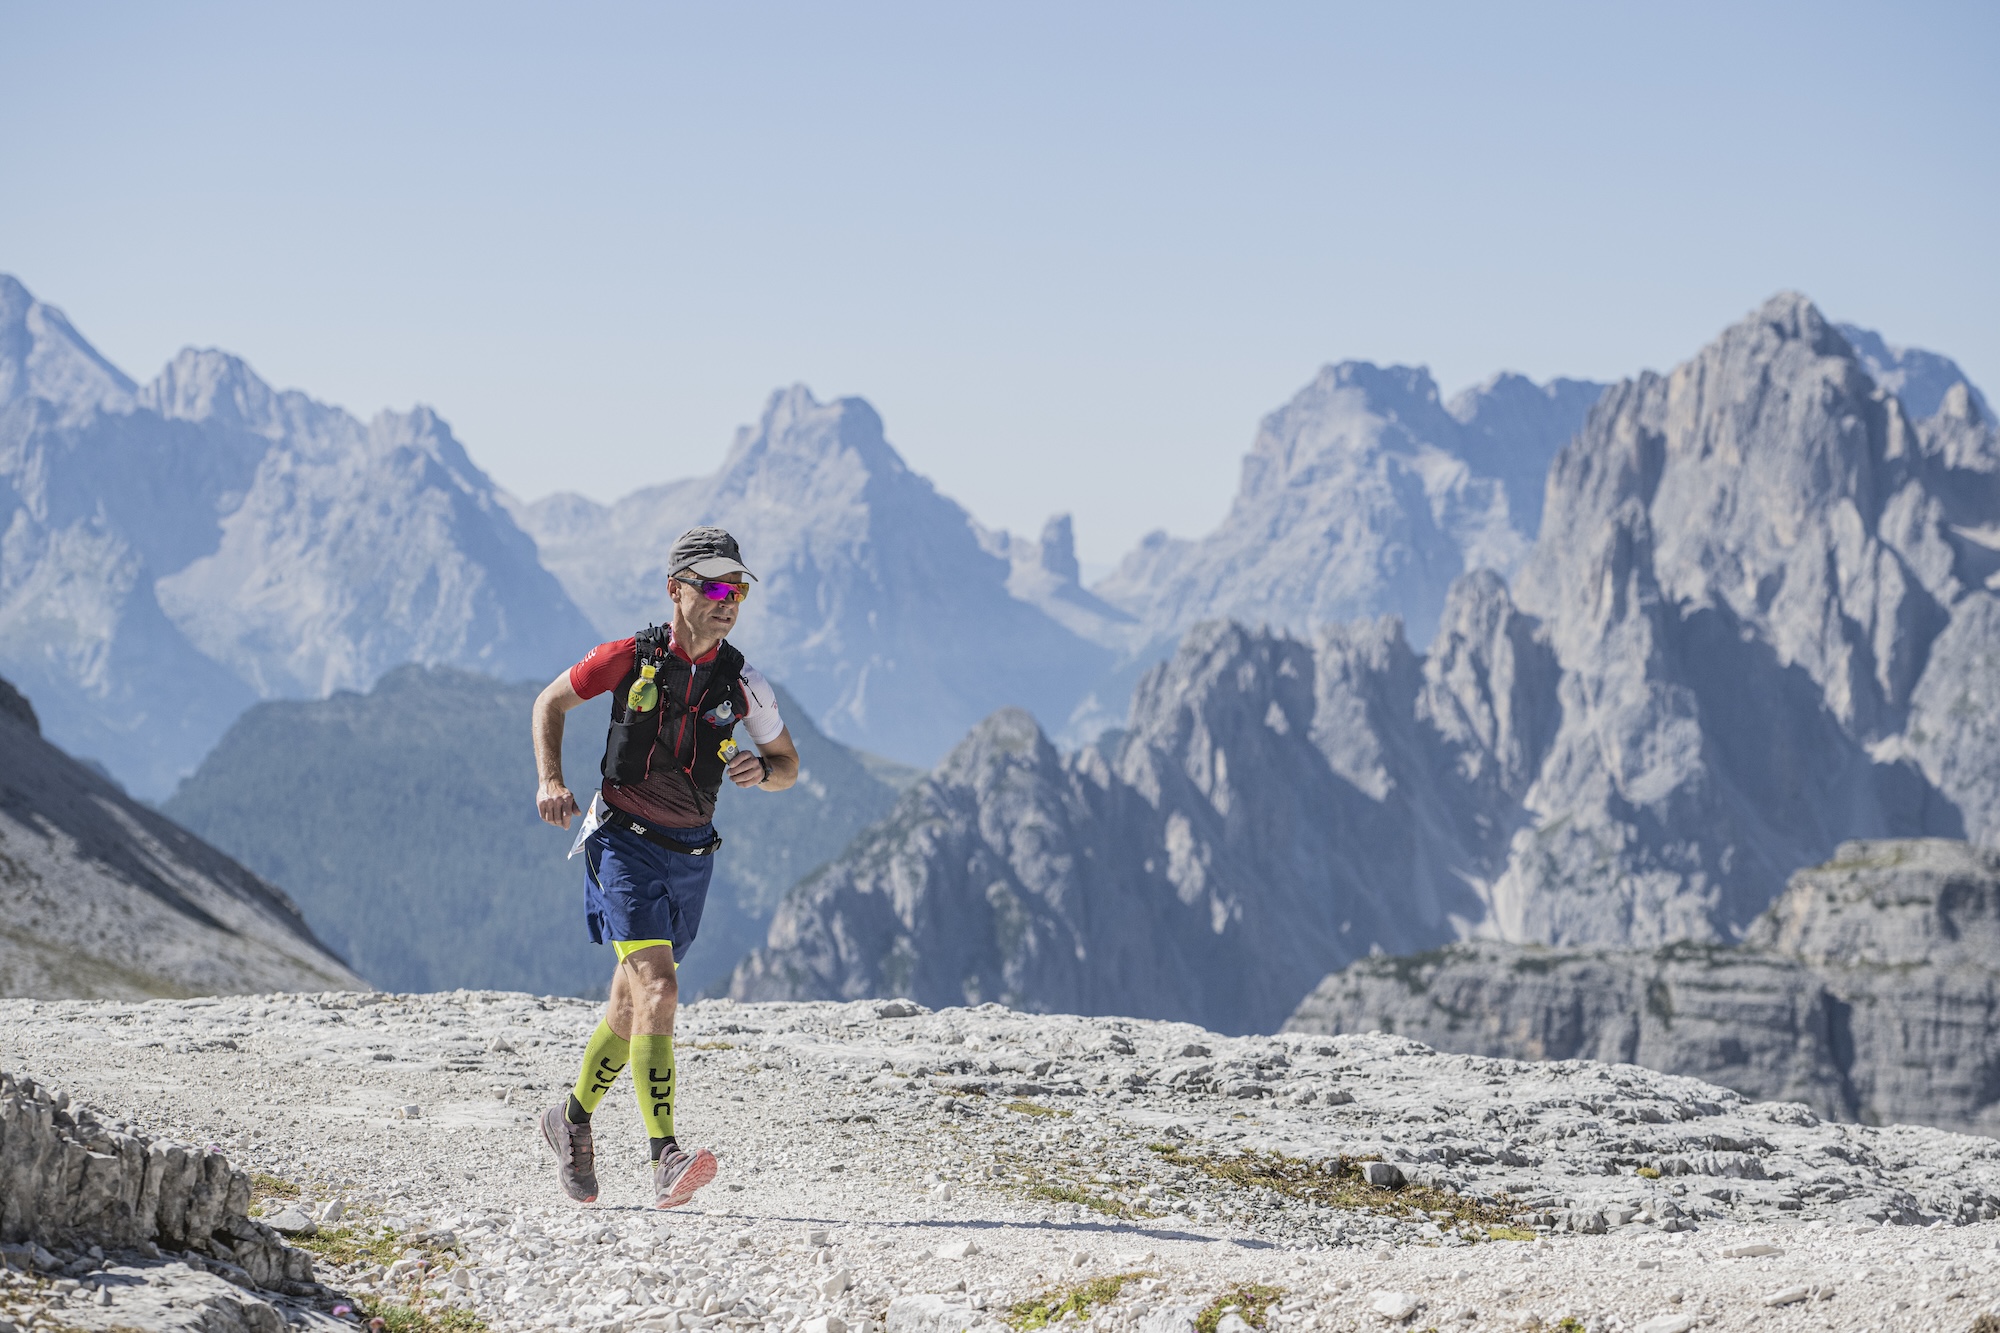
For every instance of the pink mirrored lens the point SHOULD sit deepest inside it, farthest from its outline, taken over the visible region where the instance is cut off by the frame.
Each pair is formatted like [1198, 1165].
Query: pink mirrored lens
[720, 592]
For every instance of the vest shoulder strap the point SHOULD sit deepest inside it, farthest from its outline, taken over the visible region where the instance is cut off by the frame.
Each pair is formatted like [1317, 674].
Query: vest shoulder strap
[651, 642]
[728, 662]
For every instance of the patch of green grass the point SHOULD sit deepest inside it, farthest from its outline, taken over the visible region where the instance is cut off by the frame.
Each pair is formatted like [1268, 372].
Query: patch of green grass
[1033, 1108]
[1249, 1301]
[1509, 1233]
[1570, 1324]
[421, 1319]
[266, 1186]
[1337, 1183]
[347, 1246]
[1650, 1172]
[1071, 1194]
[711, 1045]
[1051, 1306]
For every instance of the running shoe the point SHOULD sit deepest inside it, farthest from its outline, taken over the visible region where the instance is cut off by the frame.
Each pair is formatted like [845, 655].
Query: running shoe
[677, 1175]
[576, 1156]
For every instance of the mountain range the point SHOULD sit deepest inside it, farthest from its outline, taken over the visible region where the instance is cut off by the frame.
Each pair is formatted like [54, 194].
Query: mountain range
[101, 897]
[1565, 662]
[174, 552]
[1756, 623]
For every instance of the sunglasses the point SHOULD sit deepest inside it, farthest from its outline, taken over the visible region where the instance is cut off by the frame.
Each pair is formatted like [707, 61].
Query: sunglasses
[718, 591]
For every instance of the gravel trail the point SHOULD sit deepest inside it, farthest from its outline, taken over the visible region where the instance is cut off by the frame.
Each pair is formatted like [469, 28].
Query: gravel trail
[882, 1166]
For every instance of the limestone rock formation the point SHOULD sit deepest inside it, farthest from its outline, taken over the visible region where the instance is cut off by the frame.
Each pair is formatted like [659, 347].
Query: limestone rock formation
[171, 553]
[1867, 991]
[69, 1175]
[102, 897]
[877, 605]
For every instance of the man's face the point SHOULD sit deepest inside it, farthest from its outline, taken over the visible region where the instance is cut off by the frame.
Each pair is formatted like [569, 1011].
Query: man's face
[706, 618]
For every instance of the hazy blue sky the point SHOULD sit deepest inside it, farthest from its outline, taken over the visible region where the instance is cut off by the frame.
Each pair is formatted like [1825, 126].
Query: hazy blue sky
[1072, 252]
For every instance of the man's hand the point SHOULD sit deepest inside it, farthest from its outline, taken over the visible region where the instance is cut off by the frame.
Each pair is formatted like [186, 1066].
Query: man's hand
[553, 799]
[746, 769]
[556, 803]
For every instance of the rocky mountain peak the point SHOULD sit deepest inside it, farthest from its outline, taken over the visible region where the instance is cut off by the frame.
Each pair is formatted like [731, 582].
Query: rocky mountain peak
[1791, 317]
[42, 356]
[1056, 551]
[1009, 739]
[1362, 495]
[1753, 479]
[802, 438]
[207, 385]
[1348, 409]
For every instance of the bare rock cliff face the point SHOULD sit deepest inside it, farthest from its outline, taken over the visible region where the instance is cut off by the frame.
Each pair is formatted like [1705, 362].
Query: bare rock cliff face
[103, 898]
[1870, 991]
[1767, 591]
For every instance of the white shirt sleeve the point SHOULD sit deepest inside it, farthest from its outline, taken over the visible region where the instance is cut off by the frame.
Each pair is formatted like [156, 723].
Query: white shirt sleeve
[762, 720]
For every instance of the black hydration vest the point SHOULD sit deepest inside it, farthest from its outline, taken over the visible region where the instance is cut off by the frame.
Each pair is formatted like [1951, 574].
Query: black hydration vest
[679, 732]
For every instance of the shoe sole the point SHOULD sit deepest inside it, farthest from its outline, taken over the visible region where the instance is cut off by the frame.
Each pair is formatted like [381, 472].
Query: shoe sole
[699, 1173]
[554, 1148]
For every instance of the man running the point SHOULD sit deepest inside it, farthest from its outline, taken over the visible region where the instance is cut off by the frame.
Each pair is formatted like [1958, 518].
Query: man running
[678, 692]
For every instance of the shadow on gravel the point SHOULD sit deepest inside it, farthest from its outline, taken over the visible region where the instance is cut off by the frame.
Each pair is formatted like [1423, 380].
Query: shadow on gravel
[1097, 1228]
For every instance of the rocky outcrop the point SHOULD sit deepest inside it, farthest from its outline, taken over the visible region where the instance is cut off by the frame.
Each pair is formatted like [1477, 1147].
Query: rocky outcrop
[175, 551]
[101, 897]
[71, 1177]
[1870, 991]
[876, 603]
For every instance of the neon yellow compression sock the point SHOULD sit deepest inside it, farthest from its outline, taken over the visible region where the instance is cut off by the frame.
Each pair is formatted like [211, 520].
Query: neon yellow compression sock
[603, 1058]
[653, 1081]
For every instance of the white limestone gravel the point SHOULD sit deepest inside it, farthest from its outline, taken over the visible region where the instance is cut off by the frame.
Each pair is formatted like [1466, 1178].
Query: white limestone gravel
[928, 1171]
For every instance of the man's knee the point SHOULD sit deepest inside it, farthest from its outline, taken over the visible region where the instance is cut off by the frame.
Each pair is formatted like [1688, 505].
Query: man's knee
[651, 973]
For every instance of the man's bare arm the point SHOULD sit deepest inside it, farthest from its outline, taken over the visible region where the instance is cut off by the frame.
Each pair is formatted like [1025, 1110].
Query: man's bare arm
[553, 799]
[779, 753]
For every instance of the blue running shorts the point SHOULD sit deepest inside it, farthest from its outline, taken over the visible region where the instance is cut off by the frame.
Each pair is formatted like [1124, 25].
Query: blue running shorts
[638, 890]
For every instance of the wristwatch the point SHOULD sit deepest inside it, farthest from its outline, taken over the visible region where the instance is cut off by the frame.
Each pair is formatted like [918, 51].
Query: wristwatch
[767, 770]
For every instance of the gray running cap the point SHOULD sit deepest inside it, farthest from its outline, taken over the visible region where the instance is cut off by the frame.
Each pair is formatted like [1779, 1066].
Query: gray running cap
[707, 553]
